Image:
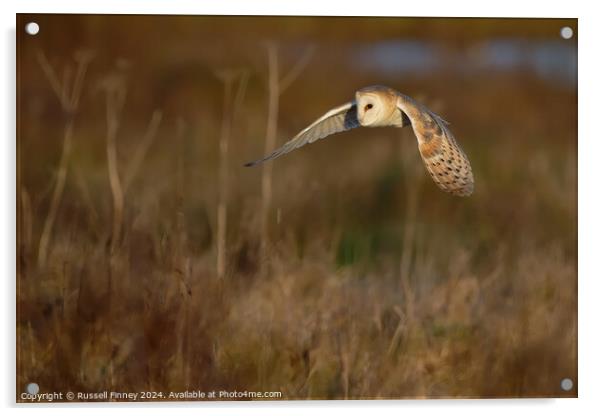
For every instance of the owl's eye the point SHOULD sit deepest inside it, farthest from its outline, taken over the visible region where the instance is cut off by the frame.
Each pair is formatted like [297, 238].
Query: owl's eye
[368, 107]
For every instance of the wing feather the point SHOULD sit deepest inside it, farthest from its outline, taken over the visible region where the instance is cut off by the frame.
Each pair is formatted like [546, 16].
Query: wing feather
[338, 119]
[443, 157]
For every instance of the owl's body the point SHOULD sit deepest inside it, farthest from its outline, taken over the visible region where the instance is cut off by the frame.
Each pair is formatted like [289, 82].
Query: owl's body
[379, 106]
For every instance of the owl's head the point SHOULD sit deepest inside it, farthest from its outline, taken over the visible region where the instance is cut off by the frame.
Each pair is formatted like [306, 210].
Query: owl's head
[373, 108]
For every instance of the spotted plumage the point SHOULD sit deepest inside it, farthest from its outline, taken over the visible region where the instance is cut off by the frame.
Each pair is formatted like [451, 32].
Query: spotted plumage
[379, 106]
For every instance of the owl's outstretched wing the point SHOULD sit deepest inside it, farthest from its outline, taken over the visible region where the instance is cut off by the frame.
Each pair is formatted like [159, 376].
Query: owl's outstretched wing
[443, 157]
[338, 119]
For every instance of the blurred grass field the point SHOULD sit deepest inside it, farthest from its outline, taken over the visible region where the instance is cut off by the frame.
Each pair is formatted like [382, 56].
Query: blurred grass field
[373, 283]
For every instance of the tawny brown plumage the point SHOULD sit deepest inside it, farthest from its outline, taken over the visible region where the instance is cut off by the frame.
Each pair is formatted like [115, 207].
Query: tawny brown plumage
[379, 106]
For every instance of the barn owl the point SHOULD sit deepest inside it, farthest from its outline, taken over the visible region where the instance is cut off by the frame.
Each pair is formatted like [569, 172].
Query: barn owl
[379, 106]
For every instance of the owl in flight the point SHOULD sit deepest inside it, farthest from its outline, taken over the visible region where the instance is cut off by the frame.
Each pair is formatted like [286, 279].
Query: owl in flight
[379, 106]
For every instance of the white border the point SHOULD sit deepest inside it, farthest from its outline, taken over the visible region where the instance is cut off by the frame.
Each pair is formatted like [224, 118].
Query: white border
[590, 153]
[463, 8]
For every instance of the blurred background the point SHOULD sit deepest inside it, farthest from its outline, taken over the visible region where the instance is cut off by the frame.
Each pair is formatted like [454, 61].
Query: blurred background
[149, 258]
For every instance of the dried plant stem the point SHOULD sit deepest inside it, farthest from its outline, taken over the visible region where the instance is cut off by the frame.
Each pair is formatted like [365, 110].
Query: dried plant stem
[140, 153]
[223, 177]
[187, 359]
[26, 219]
[270, 142]
[86, 196]
[412, 187]
[115, 99]
[221, 238]
[231, 108]
[343, 355]
[34, 362]
[185, 342]
[56, 194]
[276, 86]
[69, 100]
[296, 70]
[240, 94]
[406, 256]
